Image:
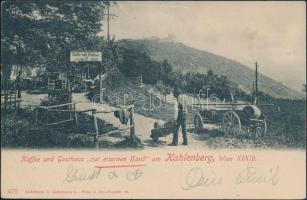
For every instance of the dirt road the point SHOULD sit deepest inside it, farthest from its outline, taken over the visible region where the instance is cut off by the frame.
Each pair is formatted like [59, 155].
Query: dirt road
[143, 125]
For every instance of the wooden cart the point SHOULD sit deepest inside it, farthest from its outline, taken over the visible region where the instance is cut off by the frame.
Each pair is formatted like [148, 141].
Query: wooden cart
[232, 117]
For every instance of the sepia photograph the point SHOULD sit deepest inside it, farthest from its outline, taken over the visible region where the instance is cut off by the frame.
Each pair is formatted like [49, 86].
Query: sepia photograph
[182, 78]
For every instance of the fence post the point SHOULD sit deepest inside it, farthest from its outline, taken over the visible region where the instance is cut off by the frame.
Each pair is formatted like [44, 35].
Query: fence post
[18, 108]
[36, 113]
[15, 102]
[96, 130]
[70, 109]
[76, 116]
[10, 100]
[132, 129]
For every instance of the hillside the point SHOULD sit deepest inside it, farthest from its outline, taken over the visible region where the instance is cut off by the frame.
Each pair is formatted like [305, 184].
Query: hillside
[187, 59]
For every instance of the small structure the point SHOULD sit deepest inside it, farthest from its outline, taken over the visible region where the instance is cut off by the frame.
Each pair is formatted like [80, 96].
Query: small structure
[56, 80]
[29, 75]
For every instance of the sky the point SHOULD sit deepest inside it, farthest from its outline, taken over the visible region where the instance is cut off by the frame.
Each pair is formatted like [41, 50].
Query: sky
[271, 33]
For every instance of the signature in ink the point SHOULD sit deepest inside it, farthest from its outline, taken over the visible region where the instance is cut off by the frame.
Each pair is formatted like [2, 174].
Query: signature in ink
[196, 177]
[73, 174]
[251, 175]
[134, 175]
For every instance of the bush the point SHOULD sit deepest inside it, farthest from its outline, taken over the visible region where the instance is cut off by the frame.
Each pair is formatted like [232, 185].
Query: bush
[56, 98]
[20, 132]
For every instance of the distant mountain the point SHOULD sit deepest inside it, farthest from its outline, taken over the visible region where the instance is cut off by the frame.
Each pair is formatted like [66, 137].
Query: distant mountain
[188, 59]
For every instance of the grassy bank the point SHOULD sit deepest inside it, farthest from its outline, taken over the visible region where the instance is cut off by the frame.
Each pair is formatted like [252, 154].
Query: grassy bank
[19, 131]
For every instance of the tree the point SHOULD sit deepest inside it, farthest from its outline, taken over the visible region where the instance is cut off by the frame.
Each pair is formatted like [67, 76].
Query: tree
[151, 72]
[164, 90]
[133, 62]
[43, 32]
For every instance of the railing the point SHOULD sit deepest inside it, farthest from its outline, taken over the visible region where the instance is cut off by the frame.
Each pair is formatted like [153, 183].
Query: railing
[64, 84]
[74, 117]
[9, 100]
[51, 85]
[131, 127]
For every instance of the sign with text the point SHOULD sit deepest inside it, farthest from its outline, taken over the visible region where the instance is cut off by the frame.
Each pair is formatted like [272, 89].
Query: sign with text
[85, 56]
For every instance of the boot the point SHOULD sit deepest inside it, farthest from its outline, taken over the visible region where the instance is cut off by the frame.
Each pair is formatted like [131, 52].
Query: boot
[185, 140]
[175, 141]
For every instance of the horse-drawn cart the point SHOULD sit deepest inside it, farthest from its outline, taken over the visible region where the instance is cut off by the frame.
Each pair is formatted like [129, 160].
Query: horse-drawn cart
[232, 118]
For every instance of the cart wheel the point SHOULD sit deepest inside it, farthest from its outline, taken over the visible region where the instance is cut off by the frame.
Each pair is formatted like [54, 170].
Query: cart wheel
[198, 121]
[231, 123]
[257, 129]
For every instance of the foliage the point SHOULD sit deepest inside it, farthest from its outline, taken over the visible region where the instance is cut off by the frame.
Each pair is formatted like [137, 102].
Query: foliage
[286, 117]
[187, 59]
[36, 33]
[285, 120]
[56, 98]
[111, 62]
[196, 82]
[165, 90]
[134, 63]
[22, 133]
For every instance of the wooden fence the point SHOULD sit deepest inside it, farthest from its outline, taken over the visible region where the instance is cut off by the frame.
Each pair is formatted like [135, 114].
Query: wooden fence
[74, 117]
[9, 100]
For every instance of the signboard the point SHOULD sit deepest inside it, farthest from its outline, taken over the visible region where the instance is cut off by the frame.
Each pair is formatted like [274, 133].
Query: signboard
[85, 56]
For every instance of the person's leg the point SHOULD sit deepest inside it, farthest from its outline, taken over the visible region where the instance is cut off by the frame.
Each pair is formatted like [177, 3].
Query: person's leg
[184, 131]
[19, 94]
[175, 135]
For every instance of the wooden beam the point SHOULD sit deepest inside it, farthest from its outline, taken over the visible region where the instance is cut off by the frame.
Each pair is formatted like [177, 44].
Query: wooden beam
[55, 123]
[55, 106]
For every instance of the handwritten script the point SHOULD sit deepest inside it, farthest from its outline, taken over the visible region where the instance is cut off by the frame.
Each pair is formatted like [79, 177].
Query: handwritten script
[74, 174]
[199, 177]
[251, 175]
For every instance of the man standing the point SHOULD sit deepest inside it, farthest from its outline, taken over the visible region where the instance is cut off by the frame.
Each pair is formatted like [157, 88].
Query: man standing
[18, 84]
[180, 118]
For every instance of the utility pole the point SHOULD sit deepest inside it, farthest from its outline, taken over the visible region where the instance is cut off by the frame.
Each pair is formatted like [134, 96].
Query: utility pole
[253, 92]
[108, 22]
[109, 17]
[256, 81]
[108, 40]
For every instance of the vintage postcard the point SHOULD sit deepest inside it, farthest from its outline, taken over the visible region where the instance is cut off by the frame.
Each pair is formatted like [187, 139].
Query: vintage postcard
[153, 99]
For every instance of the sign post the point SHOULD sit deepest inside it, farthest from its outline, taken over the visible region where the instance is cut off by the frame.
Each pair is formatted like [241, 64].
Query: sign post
[85, 56]
[88, 56]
